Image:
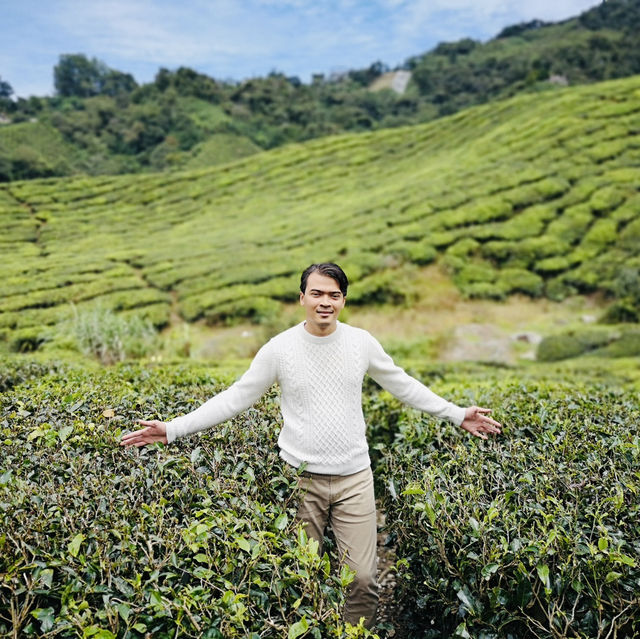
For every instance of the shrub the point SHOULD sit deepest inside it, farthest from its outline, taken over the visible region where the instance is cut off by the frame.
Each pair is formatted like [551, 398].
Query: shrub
[630, 236]
[259, 310]
[557, 289]
[574, 343]
[384, 287]
[528, 223]
[422, 252]
[602, 232]
[572, 224]
[463, 247]
[26, 340]
[516, 280]
[195, 540]
[558, 347]
[419, 252]
[606, 199]
[628, 345]
[534, 535]
[622, 311]
[475, 273]
[535, 192]
[498, 250]
[485, 290]
[555, 264]
[584, 278]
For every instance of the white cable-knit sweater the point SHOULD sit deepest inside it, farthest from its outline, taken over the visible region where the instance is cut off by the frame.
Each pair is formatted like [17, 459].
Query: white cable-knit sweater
[321, 396]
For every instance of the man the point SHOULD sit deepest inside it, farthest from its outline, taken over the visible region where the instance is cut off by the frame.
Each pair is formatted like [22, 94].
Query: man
[319, 365]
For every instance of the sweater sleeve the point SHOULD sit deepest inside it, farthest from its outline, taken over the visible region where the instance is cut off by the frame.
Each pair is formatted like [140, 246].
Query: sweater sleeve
[230, 402]
[406, 388]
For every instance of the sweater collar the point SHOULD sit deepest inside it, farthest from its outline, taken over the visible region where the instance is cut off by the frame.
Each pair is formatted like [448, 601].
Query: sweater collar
[315, 339]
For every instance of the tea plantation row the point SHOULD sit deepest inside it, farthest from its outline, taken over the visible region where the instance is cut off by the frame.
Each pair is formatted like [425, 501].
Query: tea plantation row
[536, 194]
[532, 535]
[536, 534]
[193, 541]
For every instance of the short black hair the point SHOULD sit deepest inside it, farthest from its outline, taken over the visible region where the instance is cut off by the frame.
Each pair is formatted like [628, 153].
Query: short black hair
[328, 269]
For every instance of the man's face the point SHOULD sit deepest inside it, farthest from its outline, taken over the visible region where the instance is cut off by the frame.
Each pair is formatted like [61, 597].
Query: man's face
[323, 302]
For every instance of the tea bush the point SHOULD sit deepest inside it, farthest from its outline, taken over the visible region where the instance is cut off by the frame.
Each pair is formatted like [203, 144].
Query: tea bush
[193, 540]
[533, 534]
[604, 342]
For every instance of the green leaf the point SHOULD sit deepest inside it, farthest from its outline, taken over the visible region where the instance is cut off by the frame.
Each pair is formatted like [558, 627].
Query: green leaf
[624, 559]
[281, 522]
[74, 545]
[46, 618]
[466, 599]
[543, 573]
[413, 489]
[155, 598]
[46, 577]
[603, 543]
[98, 633]
[612, 576]
[461, 631]
[431, 515]
[64, 433]
[298, 629]
[243, 544]
[124, 611]
[488, 570]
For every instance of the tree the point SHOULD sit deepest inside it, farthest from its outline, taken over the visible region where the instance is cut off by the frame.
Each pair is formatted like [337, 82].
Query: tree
[188, 82]
[76, 75]
[5, 89]
[115, 83]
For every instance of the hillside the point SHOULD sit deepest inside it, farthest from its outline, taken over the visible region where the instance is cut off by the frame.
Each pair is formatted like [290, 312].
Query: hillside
[184, 119]
[599, 44]
[536, 194]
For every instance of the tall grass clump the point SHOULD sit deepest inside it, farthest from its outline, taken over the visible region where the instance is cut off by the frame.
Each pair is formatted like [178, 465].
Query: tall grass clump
[101, 333]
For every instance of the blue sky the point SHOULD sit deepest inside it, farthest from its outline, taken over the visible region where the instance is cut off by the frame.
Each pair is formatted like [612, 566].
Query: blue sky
[237, 39]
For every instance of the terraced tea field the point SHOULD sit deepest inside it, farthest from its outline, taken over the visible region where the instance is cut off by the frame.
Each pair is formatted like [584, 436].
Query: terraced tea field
[537, 194]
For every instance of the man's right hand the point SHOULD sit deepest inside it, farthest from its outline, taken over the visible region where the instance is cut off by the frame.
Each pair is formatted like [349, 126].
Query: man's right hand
[154, 431]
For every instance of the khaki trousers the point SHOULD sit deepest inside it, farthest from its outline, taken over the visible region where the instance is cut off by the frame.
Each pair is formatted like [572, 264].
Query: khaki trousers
[347, 503]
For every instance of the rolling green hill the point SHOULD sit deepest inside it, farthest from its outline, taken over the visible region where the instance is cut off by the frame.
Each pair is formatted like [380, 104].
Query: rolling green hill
[536, 194]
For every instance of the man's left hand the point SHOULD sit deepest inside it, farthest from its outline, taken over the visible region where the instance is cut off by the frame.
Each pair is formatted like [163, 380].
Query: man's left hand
[478, 423]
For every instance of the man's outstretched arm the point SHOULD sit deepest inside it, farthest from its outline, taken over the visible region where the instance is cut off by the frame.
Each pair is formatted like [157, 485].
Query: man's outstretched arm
[225, 405]
[473, 419]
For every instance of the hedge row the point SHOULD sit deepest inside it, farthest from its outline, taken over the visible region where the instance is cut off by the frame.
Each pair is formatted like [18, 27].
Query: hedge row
[533, 534]
[195, 540]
